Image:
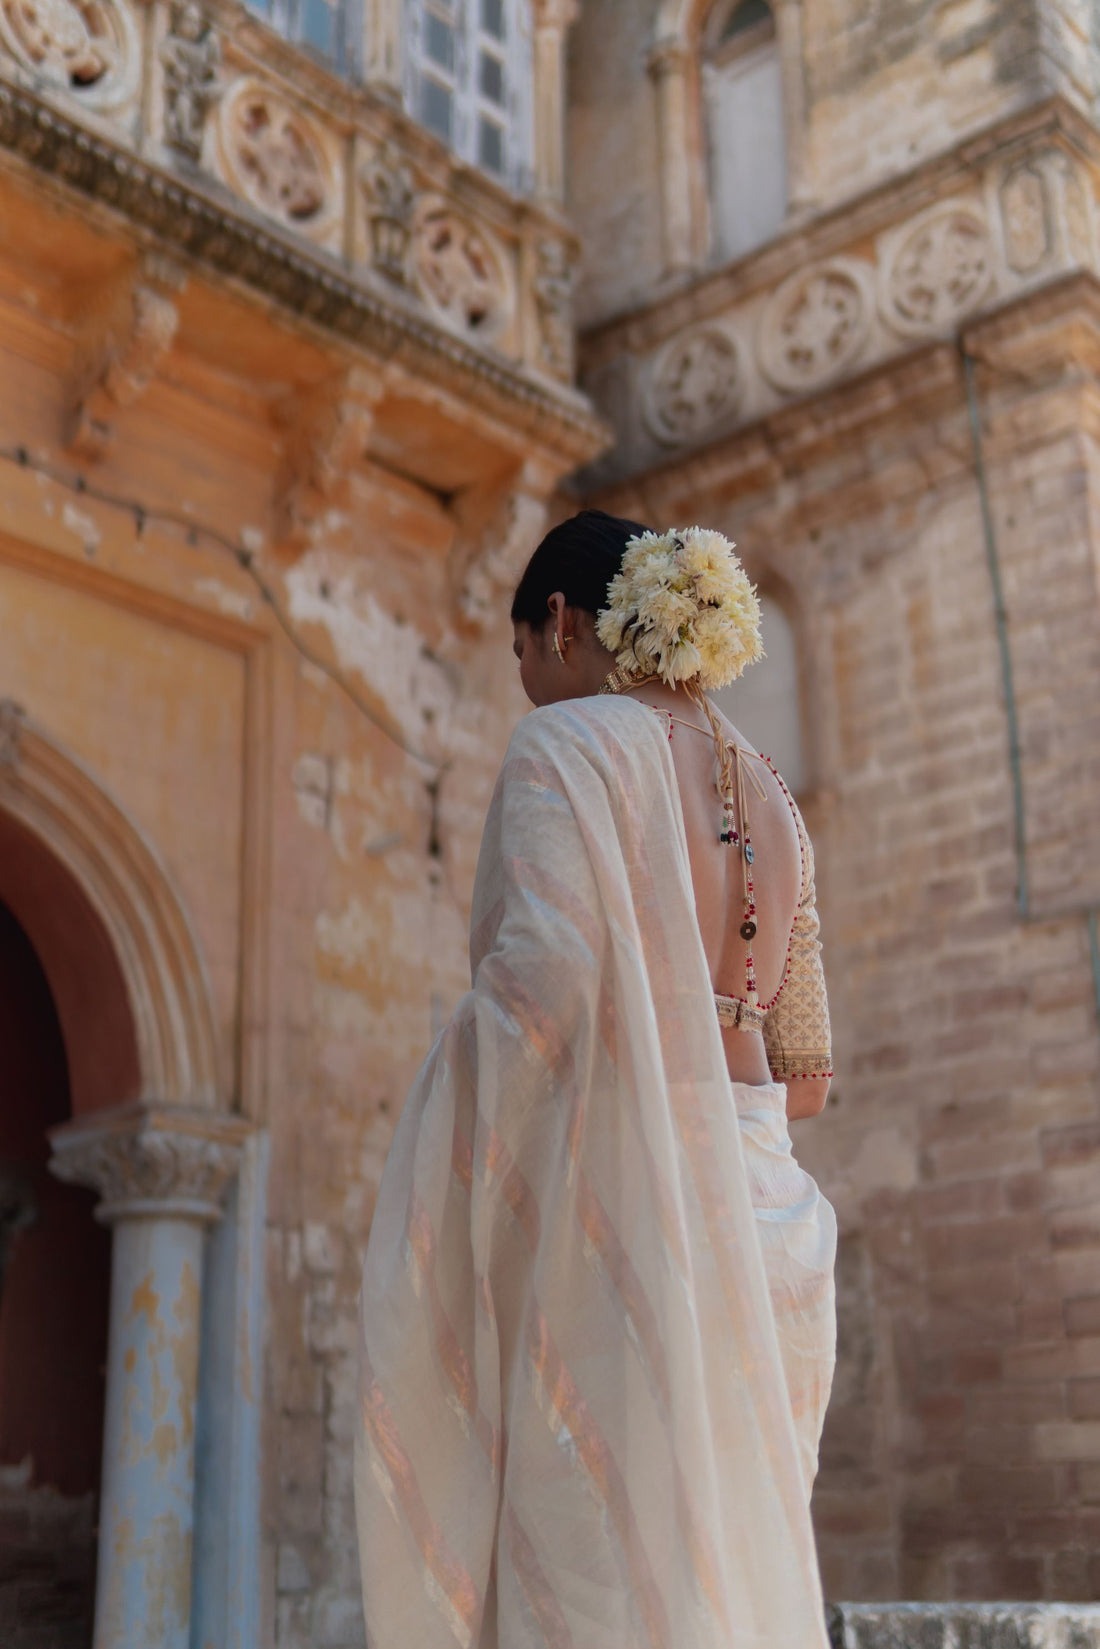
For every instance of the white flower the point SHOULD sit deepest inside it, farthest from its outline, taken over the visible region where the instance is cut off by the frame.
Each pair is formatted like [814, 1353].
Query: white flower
[682, 607]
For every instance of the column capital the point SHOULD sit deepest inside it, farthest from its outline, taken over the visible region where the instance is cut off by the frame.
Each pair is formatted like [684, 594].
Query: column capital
[152, 1162]
[558, 15]
[672, 55]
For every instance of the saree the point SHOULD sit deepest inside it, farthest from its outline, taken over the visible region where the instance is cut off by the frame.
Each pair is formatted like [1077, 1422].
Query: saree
[574, 1427]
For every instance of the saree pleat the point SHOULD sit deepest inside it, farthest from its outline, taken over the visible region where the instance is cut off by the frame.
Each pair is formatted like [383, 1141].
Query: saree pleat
[578, 1419]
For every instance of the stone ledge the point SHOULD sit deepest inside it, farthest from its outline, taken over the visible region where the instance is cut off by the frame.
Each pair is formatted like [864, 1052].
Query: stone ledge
[964, 1625]
[199, 220]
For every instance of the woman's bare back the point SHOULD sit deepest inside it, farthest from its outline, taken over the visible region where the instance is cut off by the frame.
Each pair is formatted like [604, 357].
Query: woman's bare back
[717, 871]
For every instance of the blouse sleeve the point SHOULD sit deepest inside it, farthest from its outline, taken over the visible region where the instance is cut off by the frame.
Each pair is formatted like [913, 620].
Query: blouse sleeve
[797, 1034]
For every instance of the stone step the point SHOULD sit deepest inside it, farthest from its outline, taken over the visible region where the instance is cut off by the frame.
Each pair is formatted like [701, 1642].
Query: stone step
[964, 1625]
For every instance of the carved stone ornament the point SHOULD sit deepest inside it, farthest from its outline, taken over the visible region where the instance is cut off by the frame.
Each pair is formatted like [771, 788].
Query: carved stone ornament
[816, 325]
[151, 1164]
[938, 271]
[270, 154]
[86, 47]
[697, 383]
[458, 271]
[389, 197]
[554, 302]
[120, 352]
[1026, 217]
[190, 56]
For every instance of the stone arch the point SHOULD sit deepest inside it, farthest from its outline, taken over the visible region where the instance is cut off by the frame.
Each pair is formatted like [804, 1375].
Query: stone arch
[150, 1023]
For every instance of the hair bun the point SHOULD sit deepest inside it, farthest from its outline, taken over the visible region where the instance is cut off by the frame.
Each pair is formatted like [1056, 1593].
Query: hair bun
[681, 607]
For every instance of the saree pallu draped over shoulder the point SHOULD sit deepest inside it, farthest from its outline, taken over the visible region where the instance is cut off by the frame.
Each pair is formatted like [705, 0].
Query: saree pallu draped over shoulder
[574, 1429]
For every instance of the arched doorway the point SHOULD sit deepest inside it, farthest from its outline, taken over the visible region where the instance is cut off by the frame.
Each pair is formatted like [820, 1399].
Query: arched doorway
[54, 1289]
[110, 997]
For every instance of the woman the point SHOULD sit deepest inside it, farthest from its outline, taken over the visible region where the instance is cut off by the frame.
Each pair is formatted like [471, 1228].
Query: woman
[597, 1302]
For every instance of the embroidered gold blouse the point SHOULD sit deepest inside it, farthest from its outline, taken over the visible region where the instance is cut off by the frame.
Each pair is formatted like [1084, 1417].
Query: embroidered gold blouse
[795, 1023]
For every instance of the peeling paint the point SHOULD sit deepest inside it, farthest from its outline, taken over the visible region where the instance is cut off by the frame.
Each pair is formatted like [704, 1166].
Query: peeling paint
[348, 938]
[368, 641]
[235, 603]
[82, 525]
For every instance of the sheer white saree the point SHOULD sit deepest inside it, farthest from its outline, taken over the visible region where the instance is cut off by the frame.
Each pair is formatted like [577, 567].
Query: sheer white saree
[575, 1430]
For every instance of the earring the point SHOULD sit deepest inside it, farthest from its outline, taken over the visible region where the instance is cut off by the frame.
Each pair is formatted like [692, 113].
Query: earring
[565, 640]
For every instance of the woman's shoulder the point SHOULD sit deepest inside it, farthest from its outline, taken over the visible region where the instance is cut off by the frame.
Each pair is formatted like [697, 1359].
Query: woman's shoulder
[583, 724]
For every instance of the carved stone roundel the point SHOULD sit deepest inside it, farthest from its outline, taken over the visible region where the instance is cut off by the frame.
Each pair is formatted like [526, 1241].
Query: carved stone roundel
[815, 325]
[697, 382]
[939, 270]
[87, 47]
[458, 270]
[271, 155]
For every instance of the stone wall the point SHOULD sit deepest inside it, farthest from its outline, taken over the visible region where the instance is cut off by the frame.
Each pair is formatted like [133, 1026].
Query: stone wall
[884, 89]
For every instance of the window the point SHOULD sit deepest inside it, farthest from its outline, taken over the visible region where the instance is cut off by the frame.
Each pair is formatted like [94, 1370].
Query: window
[468, 80]
[331, 29]
[746, 131]
[764, 703]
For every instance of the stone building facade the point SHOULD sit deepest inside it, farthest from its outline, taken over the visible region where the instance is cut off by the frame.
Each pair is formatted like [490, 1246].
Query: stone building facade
[308, 316]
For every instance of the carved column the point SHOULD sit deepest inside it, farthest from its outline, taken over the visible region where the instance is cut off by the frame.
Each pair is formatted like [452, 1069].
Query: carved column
[162, 1174]
[382, 46]
[670, 64]
[788, 34]
[552, 20]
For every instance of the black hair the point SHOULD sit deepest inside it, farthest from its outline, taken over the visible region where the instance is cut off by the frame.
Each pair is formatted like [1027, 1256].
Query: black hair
[579, 557]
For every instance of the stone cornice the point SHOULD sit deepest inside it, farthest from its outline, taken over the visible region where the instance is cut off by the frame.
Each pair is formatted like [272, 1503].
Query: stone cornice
[821, 443]
[151, 1162]
[854, 296]
[183, 215]
[818, 234]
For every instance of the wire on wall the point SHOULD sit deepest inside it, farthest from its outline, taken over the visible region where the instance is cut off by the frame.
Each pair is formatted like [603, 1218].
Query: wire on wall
[196, 532]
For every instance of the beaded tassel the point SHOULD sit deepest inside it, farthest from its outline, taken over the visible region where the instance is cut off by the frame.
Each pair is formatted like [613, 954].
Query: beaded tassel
[734, 814]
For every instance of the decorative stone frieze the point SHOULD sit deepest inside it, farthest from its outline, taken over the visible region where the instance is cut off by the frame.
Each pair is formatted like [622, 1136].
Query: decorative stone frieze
[389, 196]
[86, 47]
[697, 383]
[148, 1162]
[816, 324]
[920, 263]
[1026, 218]
[459, 271]
[190, 56]
[223, 98]
[937, 271]
[1047, 214]
[274, 156]
[554, 302]
[124, 341]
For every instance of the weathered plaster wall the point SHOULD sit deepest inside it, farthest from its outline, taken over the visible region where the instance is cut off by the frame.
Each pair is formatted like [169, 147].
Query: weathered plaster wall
[326, 870]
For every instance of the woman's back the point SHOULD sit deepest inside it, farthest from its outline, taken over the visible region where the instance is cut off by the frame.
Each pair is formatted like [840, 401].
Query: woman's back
[718, 871]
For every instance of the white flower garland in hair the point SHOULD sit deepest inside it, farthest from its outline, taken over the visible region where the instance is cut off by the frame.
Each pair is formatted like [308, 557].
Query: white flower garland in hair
[681, 607]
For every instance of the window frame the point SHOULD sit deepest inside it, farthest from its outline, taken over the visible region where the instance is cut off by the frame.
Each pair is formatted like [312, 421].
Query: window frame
[471, 107]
